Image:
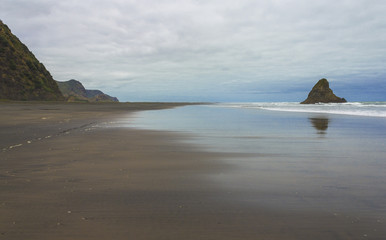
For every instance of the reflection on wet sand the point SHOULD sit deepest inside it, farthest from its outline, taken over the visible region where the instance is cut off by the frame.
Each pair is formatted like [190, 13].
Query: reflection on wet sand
[320, 124]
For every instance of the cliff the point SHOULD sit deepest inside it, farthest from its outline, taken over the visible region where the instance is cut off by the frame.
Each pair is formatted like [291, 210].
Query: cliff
[322, 93]
[74, 91]
[22, 76]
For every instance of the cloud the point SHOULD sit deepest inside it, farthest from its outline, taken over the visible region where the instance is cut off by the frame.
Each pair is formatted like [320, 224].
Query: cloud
[196, 47]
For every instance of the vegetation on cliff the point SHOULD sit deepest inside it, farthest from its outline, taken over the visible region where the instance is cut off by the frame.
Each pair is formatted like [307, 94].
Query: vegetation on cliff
[322, 93]
[22, 76]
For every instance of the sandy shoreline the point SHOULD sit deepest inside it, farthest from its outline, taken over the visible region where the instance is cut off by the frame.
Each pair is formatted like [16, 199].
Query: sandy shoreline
[72, 179]
[21, 122]
[62, 176]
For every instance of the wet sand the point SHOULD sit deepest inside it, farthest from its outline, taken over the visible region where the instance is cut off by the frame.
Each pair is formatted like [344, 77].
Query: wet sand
[66, 173]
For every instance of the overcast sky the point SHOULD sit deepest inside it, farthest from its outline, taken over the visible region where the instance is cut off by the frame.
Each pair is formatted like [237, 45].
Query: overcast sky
[194, 50]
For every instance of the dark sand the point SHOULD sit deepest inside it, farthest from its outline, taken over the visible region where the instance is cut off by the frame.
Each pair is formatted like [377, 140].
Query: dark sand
[65, 176]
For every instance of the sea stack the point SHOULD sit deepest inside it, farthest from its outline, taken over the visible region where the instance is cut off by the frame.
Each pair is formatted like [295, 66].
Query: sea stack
[322, 93]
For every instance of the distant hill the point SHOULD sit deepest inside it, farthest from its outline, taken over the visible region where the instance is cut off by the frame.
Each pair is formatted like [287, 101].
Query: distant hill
[22, 76]
[74, 91]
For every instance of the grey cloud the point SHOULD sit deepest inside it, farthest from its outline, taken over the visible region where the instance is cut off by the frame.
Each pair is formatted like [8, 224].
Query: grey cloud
[175, 45]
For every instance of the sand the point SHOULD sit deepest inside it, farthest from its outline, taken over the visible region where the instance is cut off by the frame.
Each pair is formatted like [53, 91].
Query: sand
[68, 172]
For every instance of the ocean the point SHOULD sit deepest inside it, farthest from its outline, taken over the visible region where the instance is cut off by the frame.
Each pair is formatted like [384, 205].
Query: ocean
[223, 126]
[329, 158]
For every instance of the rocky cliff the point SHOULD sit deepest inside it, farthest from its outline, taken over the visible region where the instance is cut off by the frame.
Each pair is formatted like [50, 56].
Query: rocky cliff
[74, 91]
[322, 93]
[22, 76]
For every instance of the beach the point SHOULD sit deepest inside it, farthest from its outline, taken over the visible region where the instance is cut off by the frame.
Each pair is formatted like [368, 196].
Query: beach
[116, 171]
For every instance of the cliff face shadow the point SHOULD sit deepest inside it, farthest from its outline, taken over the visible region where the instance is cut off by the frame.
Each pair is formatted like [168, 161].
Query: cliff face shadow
[320, 124]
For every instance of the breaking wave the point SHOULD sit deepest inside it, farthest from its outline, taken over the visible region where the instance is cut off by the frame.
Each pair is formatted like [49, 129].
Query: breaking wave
[369, 109]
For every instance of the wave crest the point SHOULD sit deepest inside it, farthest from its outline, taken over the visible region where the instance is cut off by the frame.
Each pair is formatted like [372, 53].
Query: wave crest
[368, 109]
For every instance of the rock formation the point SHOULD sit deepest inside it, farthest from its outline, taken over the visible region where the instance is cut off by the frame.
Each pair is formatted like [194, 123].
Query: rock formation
[22, 76]
[74, 91]
[322, 93]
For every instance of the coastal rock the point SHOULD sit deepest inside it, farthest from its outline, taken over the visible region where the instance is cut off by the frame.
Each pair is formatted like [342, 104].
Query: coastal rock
[22, 76]
[74, 91]
[322, 93]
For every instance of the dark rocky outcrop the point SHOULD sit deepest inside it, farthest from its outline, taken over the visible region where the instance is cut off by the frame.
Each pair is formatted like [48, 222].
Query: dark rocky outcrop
[22, 76]
[74, 91]
[322, 93]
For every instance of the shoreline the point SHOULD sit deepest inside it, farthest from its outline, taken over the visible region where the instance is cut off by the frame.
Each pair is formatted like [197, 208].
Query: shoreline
[64, 175]
[23, 122]
[88, 181]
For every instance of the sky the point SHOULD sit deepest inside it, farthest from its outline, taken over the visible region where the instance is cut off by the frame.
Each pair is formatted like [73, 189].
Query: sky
[212, 50]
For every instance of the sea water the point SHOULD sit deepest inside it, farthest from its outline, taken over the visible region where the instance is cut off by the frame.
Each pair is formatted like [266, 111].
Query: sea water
[237, 126]
[325, 157]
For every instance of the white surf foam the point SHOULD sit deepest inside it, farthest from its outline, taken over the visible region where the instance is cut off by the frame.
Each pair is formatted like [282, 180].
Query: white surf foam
[369, 109]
